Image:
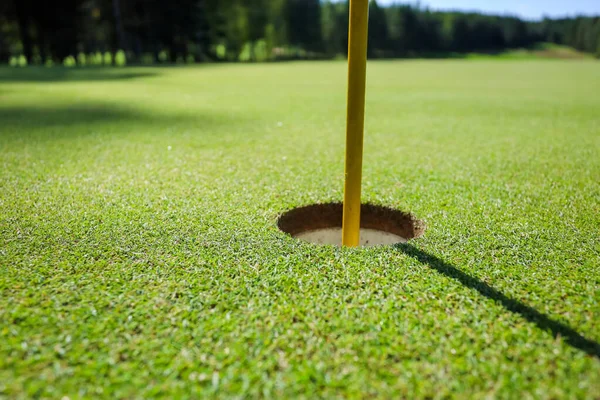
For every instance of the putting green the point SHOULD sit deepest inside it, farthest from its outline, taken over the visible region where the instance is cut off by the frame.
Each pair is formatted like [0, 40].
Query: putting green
[140, 253]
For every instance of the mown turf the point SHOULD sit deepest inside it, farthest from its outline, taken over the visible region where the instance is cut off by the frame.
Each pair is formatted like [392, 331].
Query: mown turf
[139, 254]
[541, 51]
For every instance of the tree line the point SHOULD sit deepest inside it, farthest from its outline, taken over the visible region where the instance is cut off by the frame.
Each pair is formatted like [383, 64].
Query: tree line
[149, 31]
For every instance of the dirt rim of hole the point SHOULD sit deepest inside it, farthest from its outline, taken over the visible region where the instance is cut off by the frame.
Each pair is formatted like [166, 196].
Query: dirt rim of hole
[375, 219]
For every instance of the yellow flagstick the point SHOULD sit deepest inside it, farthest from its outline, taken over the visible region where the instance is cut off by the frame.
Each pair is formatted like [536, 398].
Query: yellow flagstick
[357, 68]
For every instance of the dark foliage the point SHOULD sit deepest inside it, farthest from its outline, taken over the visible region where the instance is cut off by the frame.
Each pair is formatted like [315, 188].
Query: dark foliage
[225, 29]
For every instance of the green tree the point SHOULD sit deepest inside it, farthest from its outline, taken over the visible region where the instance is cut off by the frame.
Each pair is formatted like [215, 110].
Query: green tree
[335, 27]
[378, 30]
[303, 20]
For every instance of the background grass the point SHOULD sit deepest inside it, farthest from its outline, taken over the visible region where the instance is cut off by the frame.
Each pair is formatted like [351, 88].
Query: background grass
[540, 51]
[139, 253]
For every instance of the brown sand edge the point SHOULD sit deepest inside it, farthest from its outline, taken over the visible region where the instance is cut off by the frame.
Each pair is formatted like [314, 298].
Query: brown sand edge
[329, 215]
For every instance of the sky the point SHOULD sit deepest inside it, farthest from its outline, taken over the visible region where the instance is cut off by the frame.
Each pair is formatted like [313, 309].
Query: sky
[529, 9]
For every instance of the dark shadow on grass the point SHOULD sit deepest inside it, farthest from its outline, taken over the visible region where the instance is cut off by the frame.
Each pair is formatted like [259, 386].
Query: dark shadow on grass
[74, 120]
[558, 329]
[62, 74]
[28, 118]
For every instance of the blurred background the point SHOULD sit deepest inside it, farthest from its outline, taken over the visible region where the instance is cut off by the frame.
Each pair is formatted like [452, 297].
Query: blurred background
[117, 32]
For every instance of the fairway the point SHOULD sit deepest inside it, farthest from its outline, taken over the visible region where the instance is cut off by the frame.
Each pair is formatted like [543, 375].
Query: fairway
[140, 254]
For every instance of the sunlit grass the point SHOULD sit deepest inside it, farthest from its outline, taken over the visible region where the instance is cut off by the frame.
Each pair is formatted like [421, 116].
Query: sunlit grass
[139, 253]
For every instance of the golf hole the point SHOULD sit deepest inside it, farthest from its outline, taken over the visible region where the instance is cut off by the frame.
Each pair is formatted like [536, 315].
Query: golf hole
[322, 224]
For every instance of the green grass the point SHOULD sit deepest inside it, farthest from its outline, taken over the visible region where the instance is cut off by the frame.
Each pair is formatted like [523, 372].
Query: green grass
[541, 51]
[139, 254]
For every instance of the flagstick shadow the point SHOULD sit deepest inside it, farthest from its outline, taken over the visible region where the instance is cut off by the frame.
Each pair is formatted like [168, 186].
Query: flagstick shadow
[558, 329]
